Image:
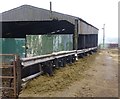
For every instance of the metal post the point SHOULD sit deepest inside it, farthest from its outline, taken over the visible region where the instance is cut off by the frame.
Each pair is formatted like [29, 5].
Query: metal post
[103, 35]
[51, 10]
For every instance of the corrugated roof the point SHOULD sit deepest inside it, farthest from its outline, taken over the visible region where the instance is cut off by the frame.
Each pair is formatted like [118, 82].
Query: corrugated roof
[31, 13]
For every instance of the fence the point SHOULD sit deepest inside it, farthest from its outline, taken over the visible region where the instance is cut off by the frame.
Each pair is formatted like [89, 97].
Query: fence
[24, 69]
[9, 75]
[34, 66]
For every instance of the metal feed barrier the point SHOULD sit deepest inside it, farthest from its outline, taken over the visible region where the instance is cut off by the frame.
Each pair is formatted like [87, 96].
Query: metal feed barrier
[25, 69]
[45, 63]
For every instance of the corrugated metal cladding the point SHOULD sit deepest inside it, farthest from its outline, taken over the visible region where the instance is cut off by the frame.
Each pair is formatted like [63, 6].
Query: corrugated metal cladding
[0, 17]
[46, 44]
[85, 28]
[30, 13]
[13, 46]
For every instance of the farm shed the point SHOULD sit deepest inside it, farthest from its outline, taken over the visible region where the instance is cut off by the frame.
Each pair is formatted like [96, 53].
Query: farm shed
[44, 39]
[29, 20]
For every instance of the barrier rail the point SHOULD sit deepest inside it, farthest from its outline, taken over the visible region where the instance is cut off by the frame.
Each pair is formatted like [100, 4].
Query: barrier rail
[48, 60]
[43, 58]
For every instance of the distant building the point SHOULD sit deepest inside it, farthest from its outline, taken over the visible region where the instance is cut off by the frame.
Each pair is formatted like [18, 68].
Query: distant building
[109, 45]
[113, 45]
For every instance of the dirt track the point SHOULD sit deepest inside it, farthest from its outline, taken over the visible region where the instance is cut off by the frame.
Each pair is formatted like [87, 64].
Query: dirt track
[94, 76]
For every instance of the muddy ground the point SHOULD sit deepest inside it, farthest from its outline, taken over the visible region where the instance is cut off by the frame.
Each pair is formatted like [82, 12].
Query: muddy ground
[92, 76]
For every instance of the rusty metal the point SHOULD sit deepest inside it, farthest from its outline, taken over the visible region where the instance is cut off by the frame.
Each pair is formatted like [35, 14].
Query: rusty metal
[13, 77]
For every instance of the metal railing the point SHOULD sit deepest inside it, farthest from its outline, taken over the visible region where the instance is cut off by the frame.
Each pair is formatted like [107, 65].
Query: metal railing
[49, 58]
[43, 58]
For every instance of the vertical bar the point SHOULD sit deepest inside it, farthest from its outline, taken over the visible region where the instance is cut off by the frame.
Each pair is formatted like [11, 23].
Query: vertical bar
[118, 46]
[50, 6]
[56, 63]
[18, 69]
[103, 35]
[119, 28]
[14, 71]
[75, 36]
[51, 10]
[64, 60]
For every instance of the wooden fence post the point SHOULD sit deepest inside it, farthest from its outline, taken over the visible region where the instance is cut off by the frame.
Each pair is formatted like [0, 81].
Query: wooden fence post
[19, 80]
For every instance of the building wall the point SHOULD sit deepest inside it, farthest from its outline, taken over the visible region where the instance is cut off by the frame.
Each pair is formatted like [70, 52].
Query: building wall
[85, 28]
[13, 46]
[47, 44]
[87, 41]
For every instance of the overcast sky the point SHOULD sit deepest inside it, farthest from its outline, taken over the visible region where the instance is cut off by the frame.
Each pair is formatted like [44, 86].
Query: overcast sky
[95, 12]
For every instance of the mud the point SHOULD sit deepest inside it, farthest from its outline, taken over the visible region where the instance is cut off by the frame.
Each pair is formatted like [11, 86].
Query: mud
[93, 76]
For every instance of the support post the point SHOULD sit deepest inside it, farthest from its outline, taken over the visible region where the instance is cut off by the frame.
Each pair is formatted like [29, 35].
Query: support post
[56, 63]
[75, 36]
[19, 79]
[103, 36]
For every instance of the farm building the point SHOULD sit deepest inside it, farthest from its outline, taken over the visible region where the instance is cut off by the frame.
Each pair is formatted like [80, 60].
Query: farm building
[21, 24]
[43, 39]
